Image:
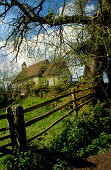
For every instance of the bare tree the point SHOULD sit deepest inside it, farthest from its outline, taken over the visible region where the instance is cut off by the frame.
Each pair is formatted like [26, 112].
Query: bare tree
[30, 17]
[6, 78]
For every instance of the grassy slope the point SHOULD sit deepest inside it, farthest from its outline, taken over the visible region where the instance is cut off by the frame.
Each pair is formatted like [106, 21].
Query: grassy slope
[39, 126]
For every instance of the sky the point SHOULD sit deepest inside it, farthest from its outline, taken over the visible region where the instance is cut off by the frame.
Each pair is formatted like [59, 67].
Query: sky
[50, 5]
[27, 54]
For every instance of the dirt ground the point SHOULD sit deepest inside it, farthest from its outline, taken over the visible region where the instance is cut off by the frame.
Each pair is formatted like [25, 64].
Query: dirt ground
[98, 162]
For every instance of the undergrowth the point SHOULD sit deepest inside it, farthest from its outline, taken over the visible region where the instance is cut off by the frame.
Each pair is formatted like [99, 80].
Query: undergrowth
[79, 139]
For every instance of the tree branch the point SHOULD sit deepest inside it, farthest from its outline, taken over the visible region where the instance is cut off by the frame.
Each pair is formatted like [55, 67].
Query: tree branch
[63, 7]
[21, 7]
[40, 5]
[69, 20]
[5, 11]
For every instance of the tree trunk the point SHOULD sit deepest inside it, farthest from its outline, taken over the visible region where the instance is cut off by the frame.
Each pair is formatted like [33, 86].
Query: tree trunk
[98, 62]
[93, 74]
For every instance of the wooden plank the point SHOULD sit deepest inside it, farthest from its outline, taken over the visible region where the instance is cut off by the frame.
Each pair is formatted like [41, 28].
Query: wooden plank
[45, 103]
[74, 103]
[77, 91]
[73, 98]
[5, 137]
[7, 145]
[4, 129]
[46, 114]
[12, 127]
[53, 124]
[4, 146]
[20, 141]
[4, 154]
[6, 151]
[81, 105]
[84, 96]
[3, 116]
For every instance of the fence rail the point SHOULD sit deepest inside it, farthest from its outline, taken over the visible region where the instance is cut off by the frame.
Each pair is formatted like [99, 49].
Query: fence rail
[5, 137]
[4, 129]
[81, 105]
[77, 91]
[5, 150]
[3, 116]
[57, 121]
[87, 95]
[46, 114]
[4, 146]
[45, 103]
[17, 125]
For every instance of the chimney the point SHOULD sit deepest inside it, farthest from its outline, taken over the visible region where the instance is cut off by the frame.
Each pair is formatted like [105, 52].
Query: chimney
[24, 65]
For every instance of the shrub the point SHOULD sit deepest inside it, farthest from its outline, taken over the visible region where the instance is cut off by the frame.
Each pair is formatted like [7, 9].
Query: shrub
[33, 158]
[83, 138]
[98, 144]
[38, 89]
[75, 136]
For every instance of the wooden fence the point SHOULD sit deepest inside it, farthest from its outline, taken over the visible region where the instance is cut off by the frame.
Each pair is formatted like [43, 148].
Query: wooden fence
[17, 125]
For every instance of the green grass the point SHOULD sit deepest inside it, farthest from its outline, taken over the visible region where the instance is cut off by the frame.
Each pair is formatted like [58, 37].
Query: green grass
[42, 124]
[37, 127]
[3, 123]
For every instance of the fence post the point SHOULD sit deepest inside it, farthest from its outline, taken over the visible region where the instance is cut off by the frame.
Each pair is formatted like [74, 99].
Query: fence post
[74, 103]
[19, 126]
[11, 128]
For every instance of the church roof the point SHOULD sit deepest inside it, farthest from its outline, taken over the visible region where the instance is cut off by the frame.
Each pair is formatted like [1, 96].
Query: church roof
[54, 69]
[33, 70]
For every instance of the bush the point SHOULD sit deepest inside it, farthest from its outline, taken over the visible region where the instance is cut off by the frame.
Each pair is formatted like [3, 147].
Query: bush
[101, 143]
[33, 158]
[38, 89]
[44, 89]
[75, 136]
[83, 138]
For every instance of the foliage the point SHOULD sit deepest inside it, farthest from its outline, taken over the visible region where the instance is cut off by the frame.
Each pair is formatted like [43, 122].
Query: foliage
[5, 96]
[41, 90]
[31, 159]
[100, 143]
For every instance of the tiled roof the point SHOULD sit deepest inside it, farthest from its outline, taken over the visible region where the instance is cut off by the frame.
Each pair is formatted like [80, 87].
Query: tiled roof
[33, 70]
